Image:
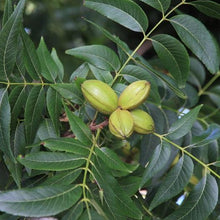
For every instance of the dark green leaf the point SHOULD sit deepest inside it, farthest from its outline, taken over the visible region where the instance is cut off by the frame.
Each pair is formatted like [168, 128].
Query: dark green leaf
[8, 217]
[15, 170]
[54, 106]
[133, 73]
[98, 55]
[200, 203]
[49, 68]
[202, 45]
[8, 9]
[126, 13]
[58, 63]
[74, 213]
[212, 133]
[183, 125]
[174, 182]
[197, 73]
[121, 44]
[209, 8]
[18, 147]
[157, 162]
[164, 78]
[217, 164]
[53, 161]
[5, 119]
[82, 72]
[19, 140]
[8, 41]
[173, 55]
[17, 99]
[69, 91]
[31, 59]
[130, 184]
[39, 201]
[111, 159]
[101, 75]
[192, 96]
[20, 69]
[33, 112]
[214, 94]
[117, 200]
[46, 130]
[62, 178]
[160, 5]
[80, 130]
[69, 145]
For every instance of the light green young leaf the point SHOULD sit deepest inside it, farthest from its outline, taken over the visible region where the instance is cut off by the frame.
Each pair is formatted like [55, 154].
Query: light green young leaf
[69, 91]
[49, 68]
[183, 125]
[111, 159]
[209, 8]
[33, 112]
[98, 55]
[31, 60]
[174, 182]
[8, 41]
[195, 35]
[39, 201]
[8, 9]
[160, 5]
[158, 160]
[53, 161]
[125, 12]
[173, 55]
[200, 203]
[54, 106]
[5, 120]
[80, 130]
[69, 145]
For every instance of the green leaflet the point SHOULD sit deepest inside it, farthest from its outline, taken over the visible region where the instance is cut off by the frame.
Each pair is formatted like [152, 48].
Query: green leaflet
[173, 55]
[174, 182]
[124, 12]
[8, 41]
[183, 125]
[98, 55]
[200, 203]
[39, 201]
[202, 45]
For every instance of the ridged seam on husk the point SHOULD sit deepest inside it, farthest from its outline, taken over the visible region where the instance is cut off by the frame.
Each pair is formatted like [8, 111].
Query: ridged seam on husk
[142, 118]
[129, 99]
[118, 125]
[104, 107]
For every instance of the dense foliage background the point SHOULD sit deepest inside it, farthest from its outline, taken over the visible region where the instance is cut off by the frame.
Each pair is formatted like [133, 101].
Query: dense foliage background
[55, 161]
